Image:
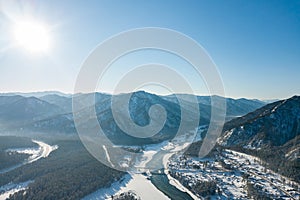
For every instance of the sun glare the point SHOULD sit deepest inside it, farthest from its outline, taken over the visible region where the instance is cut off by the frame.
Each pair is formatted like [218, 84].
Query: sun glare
[33, 36]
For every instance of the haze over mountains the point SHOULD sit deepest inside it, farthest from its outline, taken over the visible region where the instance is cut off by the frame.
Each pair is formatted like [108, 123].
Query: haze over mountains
[250, 123]
[52, 113]
[18, 109]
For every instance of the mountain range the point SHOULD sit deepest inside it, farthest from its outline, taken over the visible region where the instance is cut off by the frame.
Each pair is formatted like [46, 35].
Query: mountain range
[52, 113]
[271, 133]
[268, 131]
[274, 124]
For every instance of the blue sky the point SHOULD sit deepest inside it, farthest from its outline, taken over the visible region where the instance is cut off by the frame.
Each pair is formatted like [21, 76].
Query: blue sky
[255, 44]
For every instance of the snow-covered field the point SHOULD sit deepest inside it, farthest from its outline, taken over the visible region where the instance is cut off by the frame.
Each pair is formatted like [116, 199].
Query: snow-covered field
[272, 183]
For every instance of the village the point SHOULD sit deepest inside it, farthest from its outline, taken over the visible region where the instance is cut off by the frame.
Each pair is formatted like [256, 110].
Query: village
[231, 175]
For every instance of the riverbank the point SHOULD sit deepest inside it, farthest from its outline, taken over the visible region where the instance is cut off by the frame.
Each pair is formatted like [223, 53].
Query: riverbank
[174, 181]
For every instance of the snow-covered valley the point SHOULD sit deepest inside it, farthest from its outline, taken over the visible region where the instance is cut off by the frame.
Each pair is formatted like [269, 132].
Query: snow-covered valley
[42, 151]
[139, 181]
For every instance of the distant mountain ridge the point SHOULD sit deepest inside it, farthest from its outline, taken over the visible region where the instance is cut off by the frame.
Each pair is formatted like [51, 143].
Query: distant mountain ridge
[62, 101]
[59, 117]
[234, 107]
[19, 109]
[36, 94]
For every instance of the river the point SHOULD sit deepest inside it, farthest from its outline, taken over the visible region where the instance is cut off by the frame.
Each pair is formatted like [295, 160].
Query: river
[159, 178]
[158, 186]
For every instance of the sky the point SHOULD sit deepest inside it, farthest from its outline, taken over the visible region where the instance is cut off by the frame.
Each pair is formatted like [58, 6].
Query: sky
[254, 44]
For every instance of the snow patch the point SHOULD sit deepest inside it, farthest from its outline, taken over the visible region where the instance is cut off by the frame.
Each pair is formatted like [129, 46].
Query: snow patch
[12, 188]
[105, 193]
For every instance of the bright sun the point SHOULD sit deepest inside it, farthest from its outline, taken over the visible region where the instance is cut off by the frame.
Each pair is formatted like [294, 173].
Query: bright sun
[32, 35]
